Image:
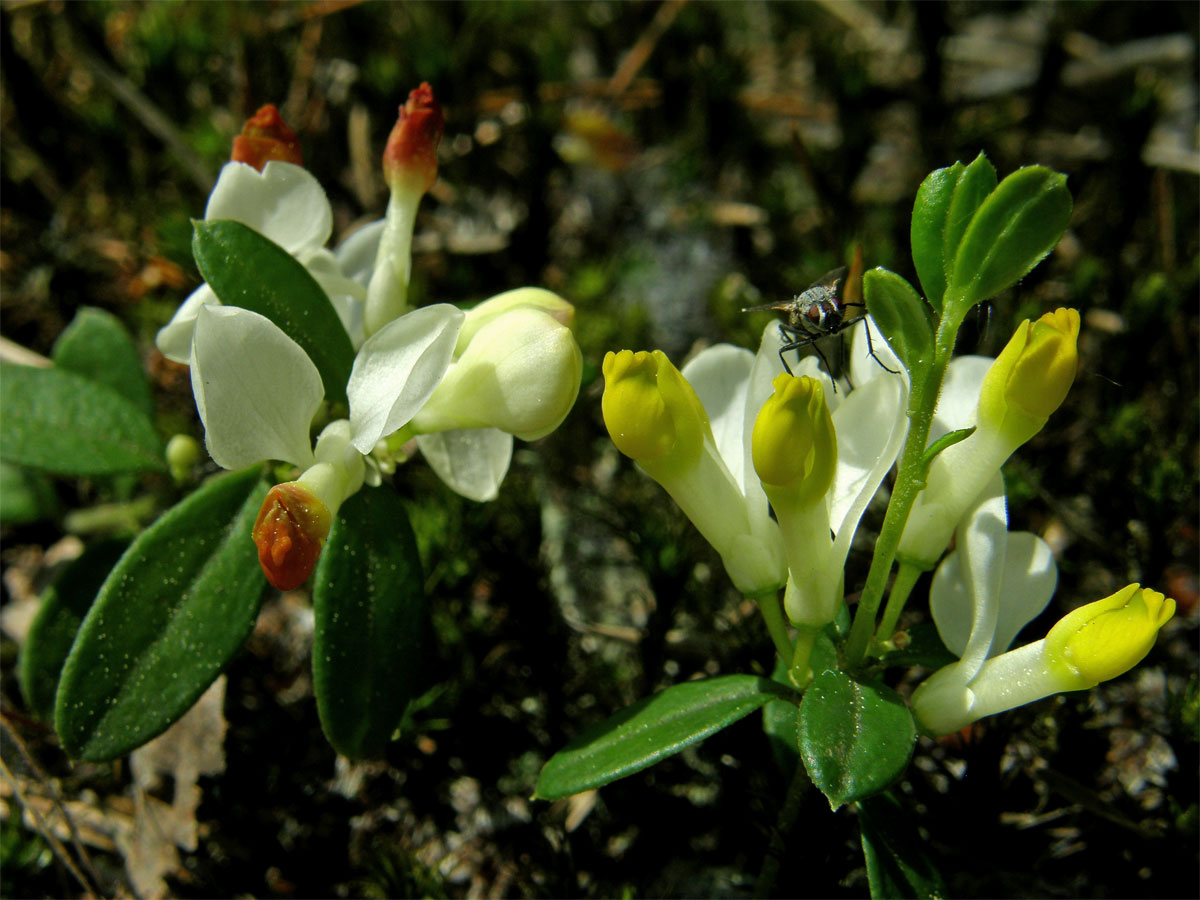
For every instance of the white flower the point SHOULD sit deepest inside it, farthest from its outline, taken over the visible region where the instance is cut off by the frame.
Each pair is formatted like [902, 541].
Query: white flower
[992, 585]
[286, 204]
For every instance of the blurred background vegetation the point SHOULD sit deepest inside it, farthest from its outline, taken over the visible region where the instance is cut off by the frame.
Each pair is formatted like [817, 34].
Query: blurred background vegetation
[661, 165]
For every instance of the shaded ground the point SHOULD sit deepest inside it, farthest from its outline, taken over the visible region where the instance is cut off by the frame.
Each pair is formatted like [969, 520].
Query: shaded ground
[661, 166]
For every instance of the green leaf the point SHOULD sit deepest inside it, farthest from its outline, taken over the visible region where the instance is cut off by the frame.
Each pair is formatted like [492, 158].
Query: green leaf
[169, 617]
[781, 718]
[369, 603]
[248, 270]
[97, 346]
[62, 422]
[897, 865]
[1014, 228]
[64, 604]
[901, 315]
[976, 182]
[25, 496]
[855, 738]
[928, 230]
[946, 440]
[945, 204]
[651, 730]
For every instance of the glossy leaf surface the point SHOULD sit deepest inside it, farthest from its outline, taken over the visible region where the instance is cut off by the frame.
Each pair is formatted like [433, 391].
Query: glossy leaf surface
[369, 603]
[174, 610]
[248, 270]
[651, 730]
[855, 738]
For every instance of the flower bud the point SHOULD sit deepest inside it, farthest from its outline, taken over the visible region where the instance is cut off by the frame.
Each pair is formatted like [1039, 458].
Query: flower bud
[410, 167]
[1107, 638]
[652, 414]
[794, 444]
[265, 137]
[1094, 643]
[520, 374]
[290, 531]
[1031, 376]
[518, 298]
[183, 452]
[410, 157]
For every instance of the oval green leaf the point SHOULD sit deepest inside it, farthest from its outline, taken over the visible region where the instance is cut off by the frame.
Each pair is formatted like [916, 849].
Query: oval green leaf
[902, 316]
[168, 618]
[248, 270]
[928, 230]
[65, 423]
[651, 730]
[369, 603]
[974, 184]
[53, 630]
[1014, 228]
[855, 738]
[97, 346]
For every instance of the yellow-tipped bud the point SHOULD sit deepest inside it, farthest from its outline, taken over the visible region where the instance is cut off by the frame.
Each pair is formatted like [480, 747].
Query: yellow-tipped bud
[1107, 638]
[1030, 378]
[650, 410]
[794, 444]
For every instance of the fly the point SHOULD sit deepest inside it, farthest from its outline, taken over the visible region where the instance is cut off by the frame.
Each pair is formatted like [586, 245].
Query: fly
[821, 311]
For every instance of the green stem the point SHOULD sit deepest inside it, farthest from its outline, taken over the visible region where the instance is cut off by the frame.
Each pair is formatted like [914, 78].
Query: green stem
[783, 825]
[910, 480]
[906, 578]
[800, 671]
[768, 605]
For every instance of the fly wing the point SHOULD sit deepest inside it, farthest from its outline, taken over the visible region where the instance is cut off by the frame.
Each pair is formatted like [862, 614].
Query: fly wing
[778, 306]
[831, 279]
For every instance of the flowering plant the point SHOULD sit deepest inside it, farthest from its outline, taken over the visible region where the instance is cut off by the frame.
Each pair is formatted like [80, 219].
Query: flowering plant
[776, 468]
[287, 340]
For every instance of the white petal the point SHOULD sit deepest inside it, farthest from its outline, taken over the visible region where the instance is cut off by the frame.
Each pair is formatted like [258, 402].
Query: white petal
[871, 425]
[863, 367]
[397, 370]
[471, 463]
[1030, 577]
[965, 601]
[284, 202]
[958, 403]
[256, 390]
[356, 253]
[345, 295]
[174, 340]
[721, 376]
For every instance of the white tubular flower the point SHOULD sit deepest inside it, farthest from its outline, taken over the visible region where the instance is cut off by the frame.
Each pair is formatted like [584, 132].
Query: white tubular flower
[656, 417]
[982, 595]
[1008, 401]
[1093, 643]
[284, 203]
[870, 425]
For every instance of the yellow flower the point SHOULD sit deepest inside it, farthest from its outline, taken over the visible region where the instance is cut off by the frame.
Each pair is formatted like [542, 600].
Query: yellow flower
[794, 444]
[1107, 638]
[1031, 377]
[651, 412]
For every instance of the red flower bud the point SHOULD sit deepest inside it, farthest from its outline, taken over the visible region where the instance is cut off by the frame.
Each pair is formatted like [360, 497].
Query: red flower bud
[410, 157]
[265, 137]
[290, 531]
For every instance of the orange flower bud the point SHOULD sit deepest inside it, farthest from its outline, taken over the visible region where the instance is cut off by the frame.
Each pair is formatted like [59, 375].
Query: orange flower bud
[290, 531]
[265, 137]
[410, 157]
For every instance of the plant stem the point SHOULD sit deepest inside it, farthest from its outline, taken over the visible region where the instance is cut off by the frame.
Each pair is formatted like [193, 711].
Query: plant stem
[768, 605]
[906, 578]
[778, 845]
[910, 480]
